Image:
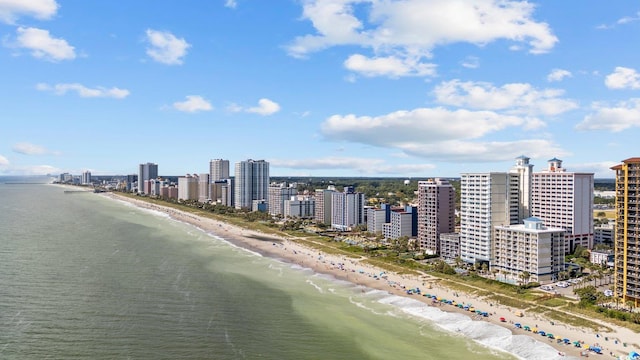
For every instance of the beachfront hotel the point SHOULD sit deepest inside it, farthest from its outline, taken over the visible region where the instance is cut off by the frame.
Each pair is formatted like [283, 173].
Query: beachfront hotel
[529, 248]
[347, 209]
[188, 187]
[251, 183]
[377, 217]
[564, 199]
[402, 222]
[86, 178]
[146, 172]
[323, 205]
[627, 231]
[277, 194]
[436, 213]
[488, 200]
[299, 206]
[219, 179]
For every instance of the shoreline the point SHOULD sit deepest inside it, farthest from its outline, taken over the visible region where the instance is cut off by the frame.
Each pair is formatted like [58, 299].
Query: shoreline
[352, 270]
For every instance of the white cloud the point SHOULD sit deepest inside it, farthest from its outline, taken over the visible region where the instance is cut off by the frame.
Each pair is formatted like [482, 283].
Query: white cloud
[558, 75]
[600, 169]
[622, 21]
[483, 151]
[42, 45]
[471, 62]
[623, 115]
[623, 78]
[418, 125]
[26, 148]
[4, 161]
[515, 98]
[359, 165]
[388, 66]
[166, 48]
[231, 4]
[194, 103]
[438, 133]
[411, 29]
[83, 91]
[628, 19]
[265, 107]
[10, 10]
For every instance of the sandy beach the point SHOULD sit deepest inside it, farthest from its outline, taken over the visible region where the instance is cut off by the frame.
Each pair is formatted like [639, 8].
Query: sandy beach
[615, 343]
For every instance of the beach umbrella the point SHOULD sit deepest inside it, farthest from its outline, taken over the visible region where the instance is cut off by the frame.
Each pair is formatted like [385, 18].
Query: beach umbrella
[518, 325]
[503, 319]
[550, 336]
[566, 341]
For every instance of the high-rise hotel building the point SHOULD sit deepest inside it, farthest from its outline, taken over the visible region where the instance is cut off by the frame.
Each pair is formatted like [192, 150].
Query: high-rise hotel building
[220, 182]
[323, 205]
[488, 200]
[146, 172]
[627, 231]
[251, 183]
[347, 209]
[436, 213]
[564, 199]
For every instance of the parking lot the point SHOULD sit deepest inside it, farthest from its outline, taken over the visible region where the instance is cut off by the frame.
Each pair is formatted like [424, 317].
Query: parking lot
[565, 288]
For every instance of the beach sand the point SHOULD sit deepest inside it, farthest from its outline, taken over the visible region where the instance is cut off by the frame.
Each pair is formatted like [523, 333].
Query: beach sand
[353, 270]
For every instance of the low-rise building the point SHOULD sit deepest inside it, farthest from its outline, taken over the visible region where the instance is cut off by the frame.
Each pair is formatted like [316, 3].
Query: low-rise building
[449, 246]
[529, 248]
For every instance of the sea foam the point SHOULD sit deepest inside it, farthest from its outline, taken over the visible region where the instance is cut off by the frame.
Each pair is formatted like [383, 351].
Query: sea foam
[485, 333]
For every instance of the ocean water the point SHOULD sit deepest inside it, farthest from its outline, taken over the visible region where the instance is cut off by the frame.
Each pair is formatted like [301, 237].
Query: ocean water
[86, 277]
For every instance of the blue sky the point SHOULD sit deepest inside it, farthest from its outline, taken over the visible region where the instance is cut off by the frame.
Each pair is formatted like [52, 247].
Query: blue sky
[411, 88]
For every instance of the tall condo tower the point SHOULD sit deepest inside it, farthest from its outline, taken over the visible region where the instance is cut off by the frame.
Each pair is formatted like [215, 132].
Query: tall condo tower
[86, 178]
[484, 204]
[251, 182]
[564, 199]
[627, 231]
[323, 205]
[488, 200]
[220, 181]
[436, 213]
[218, 169]
[146, 172]
[347, 209]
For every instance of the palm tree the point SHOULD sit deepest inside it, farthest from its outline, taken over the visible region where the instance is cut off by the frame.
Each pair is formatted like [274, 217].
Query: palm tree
[494, 271]
[525, 276]
[484, 268]
[630, 304]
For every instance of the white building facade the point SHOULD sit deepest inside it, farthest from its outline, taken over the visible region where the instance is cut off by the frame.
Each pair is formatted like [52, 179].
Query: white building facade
[278, 194]
[529, 248]
[302, 207]
[188, 187]
[323, 205]
[347, 209]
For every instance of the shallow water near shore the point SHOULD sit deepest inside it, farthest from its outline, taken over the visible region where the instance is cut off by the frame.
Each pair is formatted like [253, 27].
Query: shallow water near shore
[82, 276]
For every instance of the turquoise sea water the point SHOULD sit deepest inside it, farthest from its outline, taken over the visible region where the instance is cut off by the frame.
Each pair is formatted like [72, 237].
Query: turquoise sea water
[85, 277]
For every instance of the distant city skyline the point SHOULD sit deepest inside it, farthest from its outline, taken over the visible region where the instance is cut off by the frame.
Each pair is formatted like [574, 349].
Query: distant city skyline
[318, 87]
